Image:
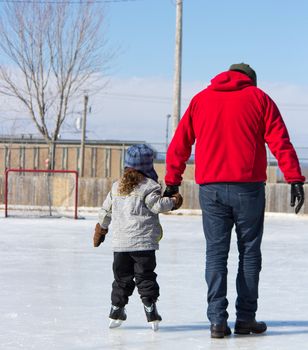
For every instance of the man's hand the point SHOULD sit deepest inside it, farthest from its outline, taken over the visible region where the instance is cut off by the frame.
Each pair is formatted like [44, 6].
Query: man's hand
[99, 235]
[297, 193]
[171, 190]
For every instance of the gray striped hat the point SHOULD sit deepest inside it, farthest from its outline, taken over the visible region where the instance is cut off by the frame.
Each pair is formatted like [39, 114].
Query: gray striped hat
[141, 157]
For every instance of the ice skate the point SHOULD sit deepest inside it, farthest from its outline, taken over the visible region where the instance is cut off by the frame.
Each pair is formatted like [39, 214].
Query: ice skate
[152, 316]
[117, 316]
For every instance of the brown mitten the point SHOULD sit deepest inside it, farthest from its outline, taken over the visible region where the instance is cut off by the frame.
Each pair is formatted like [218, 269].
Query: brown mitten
[178, 201]
[99, 235]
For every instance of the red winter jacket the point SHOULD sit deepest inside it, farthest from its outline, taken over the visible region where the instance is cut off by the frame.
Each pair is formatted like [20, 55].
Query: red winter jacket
[231, 120]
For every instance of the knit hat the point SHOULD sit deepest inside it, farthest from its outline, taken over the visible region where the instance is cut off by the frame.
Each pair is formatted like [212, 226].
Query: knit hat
[246, 69]
[140, 157]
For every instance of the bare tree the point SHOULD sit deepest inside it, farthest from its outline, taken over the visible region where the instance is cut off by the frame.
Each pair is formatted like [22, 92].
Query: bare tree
[53, 51]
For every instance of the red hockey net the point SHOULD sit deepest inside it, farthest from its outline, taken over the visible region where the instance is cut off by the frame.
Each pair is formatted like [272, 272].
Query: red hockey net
[41, 193]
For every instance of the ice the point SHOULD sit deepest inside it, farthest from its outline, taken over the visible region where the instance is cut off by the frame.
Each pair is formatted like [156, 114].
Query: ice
[55, 288]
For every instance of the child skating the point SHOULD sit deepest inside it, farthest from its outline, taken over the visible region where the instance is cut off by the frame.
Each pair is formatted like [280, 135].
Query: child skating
[133, 204]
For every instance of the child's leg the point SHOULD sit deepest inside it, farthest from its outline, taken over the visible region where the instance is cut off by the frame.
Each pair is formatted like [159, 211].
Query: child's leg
[123, 284]
[145, 277]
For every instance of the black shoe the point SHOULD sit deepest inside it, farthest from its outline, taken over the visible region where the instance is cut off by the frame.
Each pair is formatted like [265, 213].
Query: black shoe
[117, 313]
[150, 309]
[117, 316]
[220, 330]
[152, 313]
[247, 327]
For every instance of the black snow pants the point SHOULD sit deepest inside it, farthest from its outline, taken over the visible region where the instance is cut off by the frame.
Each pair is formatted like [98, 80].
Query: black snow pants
[132, 269]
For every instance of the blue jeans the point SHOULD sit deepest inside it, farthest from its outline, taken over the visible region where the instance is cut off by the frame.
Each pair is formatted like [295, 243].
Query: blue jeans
[223, 206]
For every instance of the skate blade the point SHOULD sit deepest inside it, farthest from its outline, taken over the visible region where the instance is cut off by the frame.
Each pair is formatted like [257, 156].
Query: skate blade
[114, 323]
[155, 325]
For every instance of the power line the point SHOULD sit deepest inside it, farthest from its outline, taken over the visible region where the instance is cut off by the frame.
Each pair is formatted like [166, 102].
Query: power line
[150, 98]
[168, 99]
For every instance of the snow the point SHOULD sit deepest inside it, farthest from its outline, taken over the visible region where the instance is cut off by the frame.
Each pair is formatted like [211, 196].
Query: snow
[55, 288]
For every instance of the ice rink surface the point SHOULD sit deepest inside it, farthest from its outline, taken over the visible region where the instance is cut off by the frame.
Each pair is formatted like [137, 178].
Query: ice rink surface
[55, 288]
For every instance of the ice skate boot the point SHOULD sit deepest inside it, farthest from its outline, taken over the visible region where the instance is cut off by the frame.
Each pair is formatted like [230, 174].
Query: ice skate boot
[152, 314]
[117, 316]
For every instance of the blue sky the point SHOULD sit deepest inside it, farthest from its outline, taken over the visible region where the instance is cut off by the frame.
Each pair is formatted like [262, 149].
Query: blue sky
[270, 35]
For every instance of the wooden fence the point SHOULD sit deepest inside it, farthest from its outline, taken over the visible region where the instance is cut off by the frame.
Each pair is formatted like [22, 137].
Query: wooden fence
[92, 192]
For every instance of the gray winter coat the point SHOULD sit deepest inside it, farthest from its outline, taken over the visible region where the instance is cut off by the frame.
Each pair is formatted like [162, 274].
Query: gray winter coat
[135, 222]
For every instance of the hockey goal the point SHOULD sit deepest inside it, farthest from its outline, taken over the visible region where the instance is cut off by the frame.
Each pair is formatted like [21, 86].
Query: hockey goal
[41, 193]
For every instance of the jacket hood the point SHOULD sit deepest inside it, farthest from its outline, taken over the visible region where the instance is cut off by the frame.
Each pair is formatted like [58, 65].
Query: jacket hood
[230, 81]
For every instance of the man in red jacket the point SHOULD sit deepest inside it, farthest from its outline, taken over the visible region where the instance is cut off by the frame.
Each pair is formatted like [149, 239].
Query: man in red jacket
[231, 121]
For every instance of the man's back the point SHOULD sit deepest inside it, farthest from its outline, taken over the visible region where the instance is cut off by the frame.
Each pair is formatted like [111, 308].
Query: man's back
[229, 130]
[231, 120]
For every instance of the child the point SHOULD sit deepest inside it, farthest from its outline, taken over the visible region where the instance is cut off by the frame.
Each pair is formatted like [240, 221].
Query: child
[134, 203]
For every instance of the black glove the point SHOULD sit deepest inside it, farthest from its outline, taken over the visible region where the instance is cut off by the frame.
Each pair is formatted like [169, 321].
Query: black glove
[297, 193]
[171, 190]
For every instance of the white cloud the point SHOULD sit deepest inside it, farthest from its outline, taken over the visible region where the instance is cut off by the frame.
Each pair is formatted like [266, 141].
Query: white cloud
[136, 108]
[292, 103]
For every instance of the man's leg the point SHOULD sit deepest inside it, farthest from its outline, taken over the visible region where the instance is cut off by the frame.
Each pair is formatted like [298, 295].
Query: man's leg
[249, 218]
[217, 226]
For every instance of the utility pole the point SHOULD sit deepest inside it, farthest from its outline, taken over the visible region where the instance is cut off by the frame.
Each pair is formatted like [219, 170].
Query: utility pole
[168, 116]
[83, 136]
[176, 115]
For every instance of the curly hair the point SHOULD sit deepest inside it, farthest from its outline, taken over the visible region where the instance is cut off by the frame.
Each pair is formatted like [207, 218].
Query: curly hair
[130, 179]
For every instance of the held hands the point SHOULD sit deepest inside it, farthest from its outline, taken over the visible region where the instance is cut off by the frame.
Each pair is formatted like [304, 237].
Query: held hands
[297, 193]
[171, 190]
[178, 201]
[99, 235]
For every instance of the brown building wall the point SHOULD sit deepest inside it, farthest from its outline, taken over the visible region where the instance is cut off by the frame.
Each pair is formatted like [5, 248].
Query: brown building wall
[101, 161]
[189, 173]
